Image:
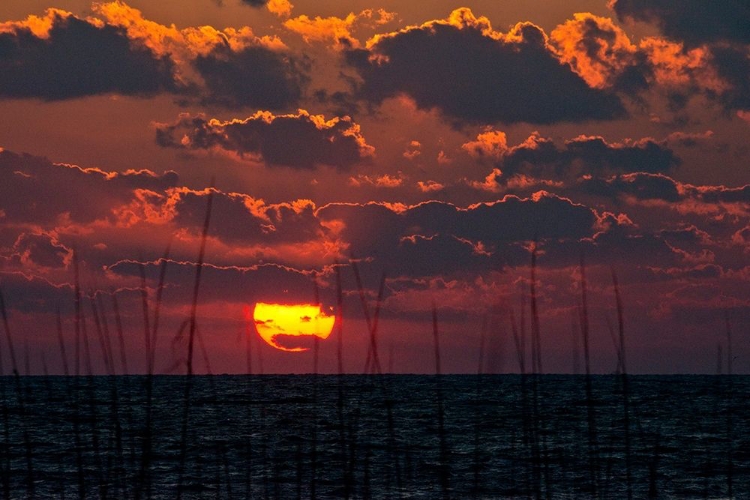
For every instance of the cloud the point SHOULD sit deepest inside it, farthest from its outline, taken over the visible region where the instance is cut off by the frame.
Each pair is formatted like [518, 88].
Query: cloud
[441, 255]
[603, 55]
[673, 195]
[38, 251]
[282, 8]
[741, 238]
[242, 220]
[235, 284]
[430, 186]
[48, 208]
[538, 156]
[299, 140]
[230, 67]
[733, 66]
[694, 21]
[32, 294]
[384, 232]
[379, 181]
[335, 30]
[641, 186]
[595, 48]
[35, 190]
[61, 56]
[252, 77]
[490, 144]
[472, 73]
[413, 150]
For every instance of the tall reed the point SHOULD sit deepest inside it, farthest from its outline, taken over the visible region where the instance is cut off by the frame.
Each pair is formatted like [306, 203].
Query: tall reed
[28, 446]
[729, 409]
[444, 468]
[593, 446]
[625, 386]
[191, 343]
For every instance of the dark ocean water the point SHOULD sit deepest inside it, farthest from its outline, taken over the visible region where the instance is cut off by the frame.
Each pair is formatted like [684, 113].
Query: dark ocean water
[502, 436]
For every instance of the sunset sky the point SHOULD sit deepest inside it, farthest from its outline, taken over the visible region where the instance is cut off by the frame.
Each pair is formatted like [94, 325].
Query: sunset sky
[430, 141]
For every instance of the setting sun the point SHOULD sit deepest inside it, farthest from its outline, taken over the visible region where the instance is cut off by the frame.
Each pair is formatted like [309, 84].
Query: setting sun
[294, 320]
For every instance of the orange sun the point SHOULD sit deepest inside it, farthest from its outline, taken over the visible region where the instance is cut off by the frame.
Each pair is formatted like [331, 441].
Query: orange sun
[296, 320]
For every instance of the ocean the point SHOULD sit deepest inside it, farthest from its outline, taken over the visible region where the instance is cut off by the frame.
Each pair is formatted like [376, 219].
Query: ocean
[387, 436]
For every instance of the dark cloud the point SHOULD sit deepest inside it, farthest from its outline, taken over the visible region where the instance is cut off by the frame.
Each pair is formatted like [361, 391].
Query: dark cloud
[76, 59]
[262, 283]
[239, 219]
[685, 198]
[641, 186]
[34, 295]
[255, 3]
[489, 232]
[470, 73]
[255, 77]
[42, 250]
[689, 235]
[619, 244]
[721, 194]
[441, 255]
[299, 141]
[694, 21]
[733, 66]
[125, 53]
[587, 155]
[35, 190]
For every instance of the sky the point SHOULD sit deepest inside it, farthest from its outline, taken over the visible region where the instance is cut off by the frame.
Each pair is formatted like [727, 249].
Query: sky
[433, 147]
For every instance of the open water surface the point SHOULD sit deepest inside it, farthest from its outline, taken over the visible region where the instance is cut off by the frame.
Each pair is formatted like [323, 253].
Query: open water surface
[303, 436]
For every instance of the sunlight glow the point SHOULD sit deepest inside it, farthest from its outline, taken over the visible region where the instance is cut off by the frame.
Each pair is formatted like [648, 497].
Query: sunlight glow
[296, 320]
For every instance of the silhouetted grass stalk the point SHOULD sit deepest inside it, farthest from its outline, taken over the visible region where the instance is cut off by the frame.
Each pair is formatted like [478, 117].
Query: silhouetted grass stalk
[590, 410]
[625, 386]
[729, 403]
[92, 404]
[99, 324]
[144, 474]
[519, 340]
[191, 342]
[151, 335]
[20, 397]
[77, 387]
[346, 478]
[444, 468]
[541, 456]
[477, 402]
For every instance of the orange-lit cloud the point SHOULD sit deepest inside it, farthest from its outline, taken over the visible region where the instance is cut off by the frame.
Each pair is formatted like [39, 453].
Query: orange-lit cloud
[491, 182]
[413, 150]
[595, 48]
[382, 181]
[38, 26]
[491, 144]
[430, 186]
[182, 45]
[137, 56]
[282, 8]
[602, 53]
[339, 32]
